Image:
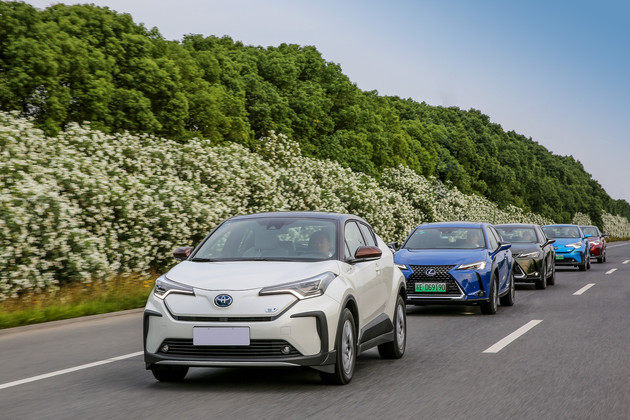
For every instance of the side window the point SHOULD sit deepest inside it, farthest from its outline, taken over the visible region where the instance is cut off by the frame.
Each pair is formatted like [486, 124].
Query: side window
[493, 238]
[541, 235]
[353, 239]
[368, 235]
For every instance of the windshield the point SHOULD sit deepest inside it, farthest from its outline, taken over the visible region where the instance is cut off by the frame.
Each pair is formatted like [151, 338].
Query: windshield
[271, 238]
[590, 230]
[517, 234]
[446, 238]
[562, 231]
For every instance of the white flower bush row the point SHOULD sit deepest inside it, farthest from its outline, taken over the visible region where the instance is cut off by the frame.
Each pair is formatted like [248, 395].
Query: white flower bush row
[581, 219]
[616, 226]
[84, 206]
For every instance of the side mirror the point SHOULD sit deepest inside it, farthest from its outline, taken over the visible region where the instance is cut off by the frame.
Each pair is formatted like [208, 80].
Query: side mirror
[182, 253]
[365, 253]
[604, 235]
[588, 235]
[549, 242]
[504, 245]
[393, 246]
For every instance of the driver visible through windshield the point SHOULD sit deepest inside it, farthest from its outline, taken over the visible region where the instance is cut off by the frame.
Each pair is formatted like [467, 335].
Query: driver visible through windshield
[270, 238]
[446, 238]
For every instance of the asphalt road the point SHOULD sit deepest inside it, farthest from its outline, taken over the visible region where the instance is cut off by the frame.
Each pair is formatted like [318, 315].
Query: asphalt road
[554, 355]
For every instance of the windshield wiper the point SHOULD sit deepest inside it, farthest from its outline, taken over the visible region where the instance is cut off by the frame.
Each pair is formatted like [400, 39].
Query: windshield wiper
[203, 260]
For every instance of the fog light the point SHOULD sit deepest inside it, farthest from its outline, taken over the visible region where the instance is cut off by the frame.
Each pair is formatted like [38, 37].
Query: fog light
[165, 348]
[285, 349]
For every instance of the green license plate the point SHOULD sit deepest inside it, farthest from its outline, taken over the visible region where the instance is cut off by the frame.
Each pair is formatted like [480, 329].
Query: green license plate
[430, 287]
[559, 257]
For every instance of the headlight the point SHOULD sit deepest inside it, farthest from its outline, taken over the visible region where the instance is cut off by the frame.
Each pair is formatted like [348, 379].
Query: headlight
[534, 254]
[402, 266]
[575, 245]
[480, 265]
[302, 289]
[595, 243]
[164, 287]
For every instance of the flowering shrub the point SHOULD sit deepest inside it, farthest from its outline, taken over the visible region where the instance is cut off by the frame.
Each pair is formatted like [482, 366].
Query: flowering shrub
[616, 226]
[581, 219]
[84, 206]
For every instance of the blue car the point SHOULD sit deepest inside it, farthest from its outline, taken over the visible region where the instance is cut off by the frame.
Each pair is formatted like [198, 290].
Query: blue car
[457, 263]
[571, 245]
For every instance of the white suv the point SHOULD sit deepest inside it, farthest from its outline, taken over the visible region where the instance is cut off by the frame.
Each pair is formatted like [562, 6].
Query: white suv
[278, 289]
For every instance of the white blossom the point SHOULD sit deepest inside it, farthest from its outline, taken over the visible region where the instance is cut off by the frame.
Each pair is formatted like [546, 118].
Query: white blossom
[85, 205]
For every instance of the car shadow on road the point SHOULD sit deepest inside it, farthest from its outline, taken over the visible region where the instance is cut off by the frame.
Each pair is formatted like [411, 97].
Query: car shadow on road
[445, 310]
[254, 379]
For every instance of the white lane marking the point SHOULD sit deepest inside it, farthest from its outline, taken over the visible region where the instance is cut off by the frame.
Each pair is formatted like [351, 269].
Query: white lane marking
[495, 348]
[625, 262]
[69, 370]
[584, 289]
[612, 270]
[618, 244]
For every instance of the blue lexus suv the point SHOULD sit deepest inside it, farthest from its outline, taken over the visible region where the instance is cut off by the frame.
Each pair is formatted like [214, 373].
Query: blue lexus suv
[457, 263]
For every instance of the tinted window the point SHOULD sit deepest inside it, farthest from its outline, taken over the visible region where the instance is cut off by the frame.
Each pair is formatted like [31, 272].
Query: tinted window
[445, 238]
[271, 238]
[353, 238]
[517, 234]
[493, 238]
[562, 231]
[368, 235]
[590, 230]
[541, 235]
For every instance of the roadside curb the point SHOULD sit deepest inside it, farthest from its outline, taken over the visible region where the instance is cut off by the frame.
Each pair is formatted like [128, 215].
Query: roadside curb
[50, 324]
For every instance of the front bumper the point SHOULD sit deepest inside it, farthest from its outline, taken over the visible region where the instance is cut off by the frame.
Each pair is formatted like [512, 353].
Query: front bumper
[597, 250]
[300, 336]
[463, 287]
[527, 270]
[569, 257]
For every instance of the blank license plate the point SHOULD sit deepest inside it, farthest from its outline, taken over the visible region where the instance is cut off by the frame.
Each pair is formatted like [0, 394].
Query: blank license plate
[430, 287]
[221, 336]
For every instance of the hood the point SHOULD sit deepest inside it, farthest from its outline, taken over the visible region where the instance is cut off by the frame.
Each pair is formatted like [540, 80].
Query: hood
[523, 248]
[245, 275]
[560, 242]
[440, 256]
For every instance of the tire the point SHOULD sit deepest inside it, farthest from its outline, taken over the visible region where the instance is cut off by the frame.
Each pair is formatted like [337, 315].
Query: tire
[582, 265]
[542, 282]
[490, 307]
[604, 256]
[169, 373]
[395, 349]
[346, 346]
[552, 279]
[508, 299]
[588, 261]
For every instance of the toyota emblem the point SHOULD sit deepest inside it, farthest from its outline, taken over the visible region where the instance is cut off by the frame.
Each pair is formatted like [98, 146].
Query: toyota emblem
[223, 301]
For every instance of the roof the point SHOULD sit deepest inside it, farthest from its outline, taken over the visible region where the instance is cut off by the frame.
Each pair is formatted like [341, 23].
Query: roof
[516, 225]
[300, 214]
[461, 224]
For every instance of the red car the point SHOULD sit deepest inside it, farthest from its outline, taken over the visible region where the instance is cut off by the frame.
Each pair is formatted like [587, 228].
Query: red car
[597, 242]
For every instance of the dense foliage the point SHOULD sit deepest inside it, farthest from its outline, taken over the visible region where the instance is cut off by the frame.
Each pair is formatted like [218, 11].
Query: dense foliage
[82, 63]
[84, 205]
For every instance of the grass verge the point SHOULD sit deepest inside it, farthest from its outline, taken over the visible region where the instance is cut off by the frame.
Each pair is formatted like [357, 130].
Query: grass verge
[75, 300]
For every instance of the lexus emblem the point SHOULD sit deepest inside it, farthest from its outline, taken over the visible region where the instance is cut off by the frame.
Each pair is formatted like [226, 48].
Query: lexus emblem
[430, 272]
[223, 301]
